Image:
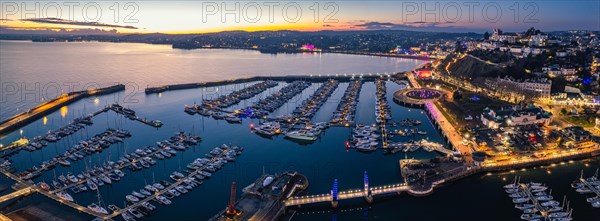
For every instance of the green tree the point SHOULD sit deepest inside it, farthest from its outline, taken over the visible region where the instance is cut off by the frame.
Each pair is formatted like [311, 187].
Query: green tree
[486, 35]
[563, 111]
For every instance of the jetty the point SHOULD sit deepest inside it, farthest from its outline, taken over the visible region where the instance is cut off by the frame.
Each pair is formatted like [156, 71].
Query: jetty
[288, 78]
[50, 106]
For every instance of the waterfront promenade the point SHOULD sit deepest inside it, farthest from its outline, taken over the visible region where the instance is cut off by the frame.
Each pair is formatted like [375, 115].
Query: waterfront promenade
[448, 130]
[45, 108]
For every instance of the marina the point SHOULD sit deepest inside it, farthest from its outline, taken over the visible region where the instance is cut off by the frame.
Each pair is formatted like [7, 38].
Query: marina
[419, 134]
[296, 126]
[346, 109]
[590, 186]
[536, 203]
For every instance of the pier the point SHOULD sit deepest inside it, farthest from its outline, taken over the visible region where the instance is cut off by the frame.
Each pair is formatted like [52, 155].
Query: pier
[367, 192]
[590, 186]
[348, 194]
[289, 78]
[534, 200]
[50, 106]
[22, 192]
[130, 114]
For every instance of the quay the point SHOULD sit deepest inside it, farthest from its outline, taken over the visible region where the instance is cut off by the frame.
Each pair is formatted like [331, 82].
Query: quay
[45, 108]
[288, 78]
[517, 163]
[440, 122]
[264, 199]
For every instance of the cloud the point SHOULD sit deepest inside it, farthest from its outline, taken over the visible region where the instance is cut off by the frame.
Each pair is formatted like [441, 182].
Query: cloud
[54, 31]
[374, 25]
[80, 23]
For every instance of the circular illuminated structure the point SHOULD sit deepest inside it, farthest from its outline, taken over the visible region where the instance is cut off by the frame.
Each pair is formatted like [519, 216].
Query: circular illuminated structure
[425, 94]
[417, 96]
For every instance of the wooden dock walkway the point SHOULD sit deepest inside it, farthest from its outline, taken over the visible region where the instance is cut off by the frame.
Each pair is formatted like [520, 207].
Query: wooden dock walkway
[22, 192]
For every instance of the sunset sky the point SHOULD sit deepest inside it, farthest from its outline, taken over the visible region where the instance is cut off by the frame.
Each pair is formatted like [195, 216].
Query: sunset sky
[205, 16]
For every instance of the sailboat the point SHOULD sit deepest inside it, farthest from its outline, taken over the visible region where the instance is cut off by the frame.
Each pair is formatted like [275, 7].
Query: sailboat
[97, 207]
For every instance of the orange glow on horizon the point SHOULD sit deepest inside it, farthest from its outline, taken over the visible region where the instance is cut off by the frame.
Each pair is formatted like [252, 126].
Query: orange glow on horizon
[305, 26]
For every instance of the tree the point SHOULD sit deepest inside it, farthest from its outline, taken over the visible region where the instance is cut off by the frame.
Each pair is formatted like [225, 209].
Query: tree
[460, 47]
[563, 111]
[456, 95]
[486, 35]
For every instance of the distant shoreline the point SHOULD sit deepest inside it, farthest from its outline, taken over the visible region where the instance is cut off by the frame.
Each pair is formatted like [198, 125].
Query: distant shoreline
[294, 51]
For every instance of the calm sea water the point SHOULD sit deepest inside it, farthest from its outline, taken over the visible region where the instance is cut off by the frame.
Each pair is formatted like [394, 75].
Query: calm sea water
[33, 72]
[475, 198]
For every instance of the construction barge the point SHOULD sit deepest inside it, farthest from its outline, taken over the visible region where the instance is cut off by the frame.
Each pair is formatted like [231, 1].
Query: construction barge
[263, 199]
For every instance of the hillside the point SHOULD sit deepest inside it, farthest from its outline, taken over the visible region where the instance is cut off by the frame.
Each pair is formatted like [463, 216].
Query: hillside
[470, 67]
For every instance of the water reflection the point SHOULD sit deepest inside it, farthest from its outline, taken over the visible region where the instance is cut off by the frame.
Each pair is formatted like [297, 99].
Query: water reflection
[64, 111]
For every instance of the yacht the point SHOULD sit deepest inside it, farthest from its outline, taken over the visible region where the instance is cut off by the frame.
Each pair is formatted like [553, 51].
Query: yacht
[583, 190]
[550, 203]
[520, 200]
[64, 162]
[233, 119]
[150, 188]
[135, 213]
[544, 198]
[72, 178]
[105, 179]
[65, 196]
[365, 148]
[163, 200]
[524, 206]
[531, 216]
[558, 214]
[119, 173]
[593, 199]
[43, 186]
[145, 192]
[158, 186]
[113, 207]
[132, 199]
[301, 135]
[127, 217]
[97, 209]
[148, 206]
[138, 195]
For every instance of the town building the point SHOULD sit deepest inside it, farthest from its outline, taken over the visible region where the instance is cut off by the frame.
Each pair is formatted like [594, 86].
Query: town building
[500, 36]
[515, 116]
[577, 134]
[539, 87]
